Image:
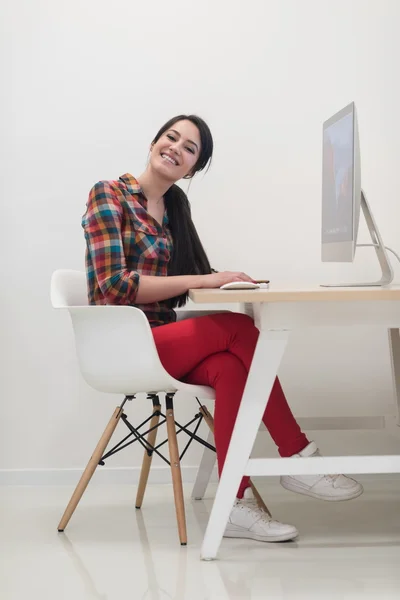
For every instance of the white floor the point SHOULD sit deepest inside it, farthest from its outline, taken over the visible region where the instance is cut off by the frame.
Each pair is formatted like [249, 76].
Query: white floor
[111, 551]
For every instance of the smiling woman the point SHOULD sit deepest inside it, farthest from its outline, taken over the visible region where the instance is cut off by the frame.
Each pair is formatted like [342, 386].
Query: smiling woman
[138, 229]
[143, 250]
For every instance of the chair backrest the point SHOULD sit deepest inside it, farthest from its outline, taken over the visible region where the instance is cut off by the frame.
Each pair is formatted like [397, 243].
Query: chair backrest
[114, 344]
[68, 288]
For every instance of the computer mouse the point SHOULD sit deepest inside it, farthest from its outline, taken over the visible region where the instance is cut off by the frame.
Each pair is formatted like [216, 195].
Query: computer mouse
[244, 285]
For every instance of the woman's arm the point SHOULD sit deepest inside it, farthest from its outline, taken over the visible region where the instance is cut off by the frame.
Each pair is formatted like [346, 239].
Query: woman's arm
[155, 289]
[102, 226]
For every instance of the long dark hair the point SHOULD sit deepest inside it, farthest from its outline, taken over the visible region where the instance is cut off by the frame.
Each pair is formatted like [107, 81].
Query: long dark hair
[188, 255]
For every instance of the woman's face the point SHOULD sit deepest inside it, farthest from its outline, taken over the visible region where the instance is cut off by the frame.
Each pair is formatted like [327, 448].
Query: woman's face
[175, 154]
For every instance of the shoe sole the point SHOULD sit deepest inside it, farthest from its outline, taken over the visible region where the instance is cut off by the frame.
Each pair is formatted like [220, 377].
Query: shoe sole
[297, 489]
[284, 537]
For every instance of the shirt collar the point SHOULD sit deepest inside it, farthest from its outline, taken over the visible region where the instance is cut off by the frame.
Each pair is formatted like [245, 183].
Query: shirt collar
[133, 186]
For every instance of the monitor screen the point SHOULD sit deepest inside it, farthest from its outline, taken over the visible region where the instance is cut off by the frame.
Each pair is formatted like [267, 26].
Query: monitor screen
[337, 179]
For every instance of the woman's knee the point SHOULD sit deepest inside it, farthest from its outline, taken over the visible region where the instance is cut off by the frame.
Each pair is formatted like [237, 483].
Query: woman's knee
[223, 368]
[242, 331]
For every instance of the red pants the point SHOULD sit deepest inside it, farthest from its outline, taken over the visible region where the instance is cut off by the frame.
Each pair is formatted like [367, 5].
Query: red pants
[217, 350]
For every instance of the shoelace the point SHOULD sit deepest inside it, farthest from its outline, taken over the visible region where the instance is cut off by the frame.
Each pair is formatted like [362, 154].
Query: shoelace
[253, 506]
[332, 478]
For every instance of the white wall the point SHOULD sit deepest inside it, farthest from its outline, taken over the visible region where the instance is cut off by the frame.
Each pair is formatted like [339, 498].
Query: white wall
[87, 86]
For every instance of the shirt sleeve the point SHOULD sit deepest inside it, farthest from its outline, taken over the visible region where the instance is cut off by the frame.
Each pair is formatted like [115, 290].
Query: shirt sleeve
[102, 226]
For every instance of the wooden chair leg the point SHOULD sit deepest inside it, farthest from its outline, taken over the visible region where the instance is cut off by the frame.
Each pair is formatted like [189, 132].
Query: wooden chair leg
[90, 469]
[210, 422]
[176, 474]
[146, 463]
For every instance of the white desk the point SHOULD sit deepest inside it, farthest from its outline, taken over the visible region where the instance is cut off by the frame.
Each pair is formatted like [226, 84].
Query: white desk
[276, 312]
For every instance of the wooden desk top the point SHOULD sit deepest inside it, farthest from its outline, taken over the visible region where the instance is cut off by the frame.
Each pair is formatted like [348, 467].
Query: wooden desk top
[280, 293]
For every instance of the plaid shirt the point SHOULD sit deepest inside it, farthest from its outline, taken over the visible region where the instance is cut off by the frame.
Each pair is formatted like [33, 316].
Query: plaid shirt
[123, 241]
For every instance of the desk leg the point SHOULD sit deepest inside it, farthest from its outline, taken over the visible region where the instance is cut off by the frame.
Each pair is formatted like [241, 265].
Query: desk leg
[267, 358]
[394, 345]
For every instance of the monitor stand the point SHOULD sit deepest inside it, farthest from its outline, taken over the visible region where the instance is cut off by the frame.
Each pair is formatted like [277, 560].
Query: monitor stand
[377, 243]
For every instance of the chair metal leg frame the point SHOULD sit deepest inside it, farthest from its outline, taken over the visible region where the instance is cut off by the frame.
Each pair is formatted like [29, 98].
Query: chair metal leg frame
[210, 422]
[134, 431]
[149, 448]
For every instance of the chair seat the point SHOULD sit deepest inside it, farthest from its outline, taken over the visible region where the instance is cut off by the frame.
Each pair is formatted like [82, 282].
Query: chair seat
[200, 391]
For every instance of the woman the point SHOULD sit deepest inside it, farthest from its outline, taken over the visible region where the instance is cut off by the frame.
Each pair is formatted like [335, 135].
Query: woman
[143, 250]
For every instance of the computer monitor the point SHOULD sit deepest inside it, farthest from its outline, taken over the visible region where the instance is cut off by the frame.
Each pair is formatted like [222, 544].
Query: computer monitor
[342, 196]
[341, 186]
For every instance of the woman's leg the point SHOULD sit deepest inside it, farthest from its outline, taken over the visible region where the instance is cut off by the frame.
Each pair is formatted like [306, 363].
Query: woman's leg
[281, 424]
[227, 376]
[183, 347]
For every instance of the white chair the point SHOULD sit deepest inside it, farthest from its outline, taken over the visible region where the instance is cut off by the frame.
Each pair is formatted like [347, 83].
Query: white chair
[117, 354]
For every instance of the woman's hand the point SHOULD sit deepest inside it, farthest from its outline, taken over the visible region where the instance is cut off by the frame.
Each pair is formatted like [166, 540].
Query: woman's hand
[215, 280]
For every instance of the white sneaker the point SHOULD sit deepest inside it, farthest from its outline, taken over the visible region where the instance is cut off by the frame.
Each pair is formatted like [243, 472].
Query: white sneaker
[248, 520]
[323, 487]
